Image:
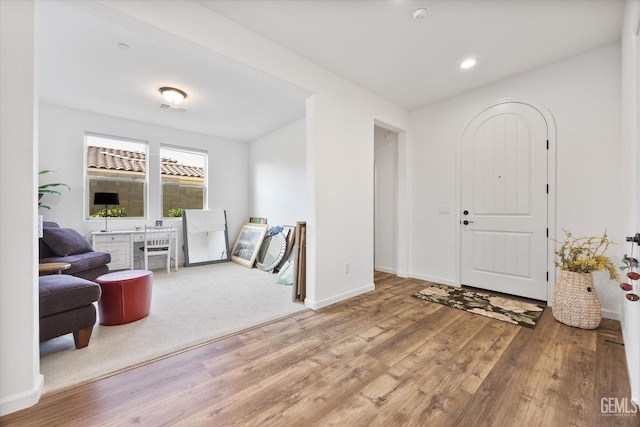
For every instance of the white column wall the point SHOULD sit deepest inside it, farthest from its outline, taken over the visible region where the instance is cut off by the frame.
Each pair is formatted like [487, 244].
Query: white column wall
[20, 379]
[277, 175]
[630, 179]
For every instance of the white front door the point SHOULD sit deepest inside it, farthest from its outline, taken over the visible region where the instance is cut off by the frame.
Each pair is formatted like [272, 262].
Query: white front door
[504, 194]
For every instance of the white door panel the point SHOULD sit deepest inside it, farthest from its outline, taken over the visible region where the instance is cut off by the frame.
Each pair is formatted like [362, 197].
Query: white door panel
[504, 195]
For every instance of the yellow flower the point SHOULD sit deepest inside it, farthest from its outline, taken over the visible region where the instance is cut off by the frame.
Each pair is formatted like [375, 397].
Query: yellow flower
[585, 255]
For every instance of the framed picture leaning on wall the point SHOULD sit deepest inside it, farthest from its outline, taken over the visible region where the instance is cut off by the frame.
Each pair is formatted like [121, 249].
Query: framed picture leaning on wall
[248, 243]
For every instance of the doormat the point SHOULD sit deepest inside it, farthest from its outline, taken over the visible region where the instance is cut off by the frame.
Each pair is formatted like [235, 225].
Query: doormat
[496, 307]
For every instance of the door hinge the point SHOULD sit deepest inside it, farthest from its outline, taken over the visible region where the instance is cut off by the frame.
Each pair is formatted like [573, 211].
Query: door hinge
[547, 276]
[547, 188]
[547, 144]
[547, 231]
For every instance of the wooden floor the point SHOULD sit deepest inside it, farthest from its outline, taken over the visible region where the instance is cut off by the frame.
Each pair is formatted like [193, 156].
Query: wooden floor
[380, 359]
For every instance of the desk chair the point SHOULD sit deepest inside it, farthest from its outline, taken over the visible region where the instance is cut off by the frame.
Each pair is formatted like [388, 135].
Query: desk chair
[157, 241]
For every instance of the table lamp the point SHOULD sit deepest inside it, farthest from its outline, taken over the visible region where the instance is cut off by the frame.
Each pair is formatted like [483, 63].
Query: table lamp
[106, 199]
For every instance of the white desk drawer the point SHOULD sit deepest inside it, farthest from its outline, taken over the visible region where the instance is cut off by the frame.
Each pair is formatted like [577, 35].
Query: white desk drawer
[106, 238]
[119, 262]
[114, 249]
[120, 253]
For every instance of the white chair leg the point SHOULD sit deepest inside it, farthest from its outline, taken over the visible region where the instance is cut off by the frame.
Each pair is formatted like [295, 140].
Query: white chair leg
[168, 263]
[146, 260]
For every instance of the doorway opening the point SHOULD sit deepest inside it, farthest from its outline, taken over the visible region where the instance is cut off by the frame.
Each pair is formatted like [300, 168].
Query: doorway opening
[385, 200]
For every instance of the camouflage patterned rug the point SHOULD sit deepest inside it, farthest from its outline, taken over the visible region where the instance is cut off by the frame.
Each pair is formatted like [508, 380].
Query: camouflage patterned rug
[508, 310]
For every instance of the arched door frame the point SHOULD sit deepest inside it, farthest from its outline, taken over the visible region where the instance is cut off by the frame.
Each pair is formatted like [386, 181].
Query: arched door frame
[551, 179]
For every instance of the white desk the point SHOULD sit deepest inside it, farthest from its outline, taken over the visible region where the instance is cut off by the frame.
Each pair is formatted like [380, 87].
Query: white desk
[121, 245]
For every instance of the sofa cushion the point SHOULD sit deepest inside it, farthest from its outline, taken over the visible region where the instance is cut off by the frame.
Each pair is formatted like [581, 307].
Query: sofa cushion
[65, 241]
[61, 292]
[44, 249]
[81, 262]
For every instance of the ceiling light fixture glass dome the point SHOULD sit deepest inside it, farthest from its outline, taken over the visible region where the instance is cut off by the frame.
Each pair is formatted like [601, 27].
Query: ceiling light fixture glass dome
[173, 95]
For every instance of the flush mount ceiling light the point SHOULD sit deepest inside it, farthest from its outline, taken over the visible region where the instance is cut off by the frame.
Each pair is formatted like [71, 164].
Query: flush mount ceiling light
[468, 63]
[419, 13]
[173, 95]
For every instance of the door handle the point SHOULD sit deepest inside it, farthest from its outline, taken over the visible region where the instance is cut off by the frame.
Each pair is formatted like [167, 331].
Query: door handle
[465, 222]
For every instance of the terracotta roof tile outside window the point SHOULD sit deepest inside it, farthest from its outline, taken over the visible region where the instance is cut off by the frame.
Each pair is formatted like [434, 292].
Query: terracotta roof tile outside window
[134, 161]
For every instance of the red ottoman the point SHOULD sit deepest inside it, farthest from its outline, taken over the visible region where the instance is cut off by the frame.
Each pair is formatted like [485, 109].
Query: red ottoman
[126, 296]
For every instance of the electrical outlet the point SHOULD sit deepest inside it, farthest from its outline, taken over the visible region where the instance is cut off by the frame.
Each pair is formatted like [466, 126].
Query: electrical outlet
[444, 210]
[346, 267]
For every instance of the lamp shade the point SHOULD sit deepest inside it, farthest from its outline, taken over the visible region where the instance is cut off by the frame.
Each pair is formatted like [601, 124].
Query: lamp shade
[106, 199]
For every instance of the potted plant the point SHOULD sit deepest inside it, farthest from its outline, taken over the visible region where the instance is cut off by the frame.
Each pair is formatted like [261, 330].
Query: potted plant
[48, 189]
[174, 213]
[574, 301]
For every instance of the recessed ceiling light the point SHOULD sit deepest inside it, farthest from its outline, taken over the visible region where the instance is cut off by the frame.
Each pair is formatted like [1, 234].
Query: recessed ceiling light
[419, 13]
[468, 63]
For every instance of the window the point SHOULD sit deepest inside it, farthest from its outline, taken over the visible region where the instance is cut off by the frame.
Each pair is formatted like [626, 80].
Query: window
[116, 165]
[183, 174]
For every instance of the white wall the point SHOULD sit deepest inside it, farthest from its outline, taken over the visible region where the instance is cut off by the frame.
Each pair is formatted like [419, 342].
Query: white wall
[277, 175]
[61, 139]
[583, 95]
[630, 178]
[386, 201]
[20, 379]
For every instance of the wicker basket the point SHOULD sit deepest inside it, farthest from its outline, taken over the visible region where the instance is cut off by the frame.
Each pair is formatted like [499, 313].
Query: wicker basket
[575, 301]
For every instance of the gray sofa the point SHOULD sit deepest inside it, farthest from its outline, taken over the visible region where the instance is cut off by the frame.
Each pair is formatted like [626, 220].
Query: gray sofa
[66, 245]
[66, 306]
[67, 300]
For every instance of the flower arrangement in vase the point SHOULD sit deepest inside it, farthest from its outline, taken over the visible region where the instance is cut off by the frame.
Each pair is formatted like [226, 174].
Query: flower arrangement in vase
[585, 255]
[574, 301]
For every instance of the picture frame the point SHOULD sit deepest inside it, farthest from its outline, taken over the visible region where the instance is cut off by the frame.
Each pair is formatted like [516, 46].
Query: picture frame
[158, 223]
[257, 220]
[245, 249]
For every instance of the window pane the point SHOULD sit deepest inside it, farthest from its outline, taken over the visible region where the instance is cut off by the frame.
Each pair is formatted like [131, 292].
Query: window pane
[116, 165]
[183, 180]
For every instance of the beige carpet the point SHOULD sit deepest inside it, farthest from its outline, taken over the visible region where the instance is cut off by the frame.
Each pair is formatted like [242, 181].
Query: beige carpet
[190, 307]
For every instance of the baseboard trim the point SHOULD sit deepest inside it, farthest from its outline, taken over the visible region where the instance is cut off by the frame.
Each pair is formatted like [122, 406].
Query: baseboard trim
[315, 305]
[386, 270]
[23, 400]
[609, 314]
[435, 279]
[403, 274]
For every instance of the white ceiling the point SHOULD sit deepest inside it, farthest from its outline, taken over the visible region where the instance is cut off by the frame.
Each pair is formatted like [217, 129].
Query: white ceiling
[374, 43]
[80, 65]
[378, 44]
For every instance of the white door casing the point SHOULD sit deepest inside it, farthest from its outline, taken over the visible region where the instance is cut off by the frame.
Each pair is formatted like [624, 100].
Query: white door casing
[504, 198]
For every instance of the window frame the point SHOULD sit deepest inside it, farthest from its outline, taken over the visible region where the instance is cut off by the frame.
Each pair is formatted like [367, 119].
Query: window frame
[88, 178]
[204, 186]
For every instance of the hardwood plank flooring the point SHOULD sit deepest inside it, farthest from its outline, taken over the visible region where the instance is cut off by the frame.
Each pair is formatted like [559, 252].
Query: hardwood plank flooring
[381, 359]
